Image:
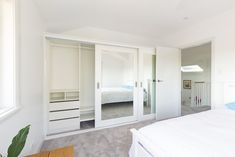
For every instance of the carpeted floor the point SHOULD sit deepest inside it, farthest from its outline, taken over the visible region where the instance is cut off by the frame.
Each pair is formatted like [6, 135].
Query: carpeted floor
[117, 110]
[111, 142]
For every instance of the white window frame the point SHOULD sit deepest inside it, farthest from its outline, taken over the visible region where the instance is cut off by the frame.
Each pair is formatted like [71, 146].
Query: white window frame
[11, 110]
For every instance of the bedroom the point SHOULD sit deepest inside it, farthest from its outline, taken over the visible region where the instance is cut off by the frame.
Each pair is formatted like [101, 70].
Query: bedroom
[55, 69]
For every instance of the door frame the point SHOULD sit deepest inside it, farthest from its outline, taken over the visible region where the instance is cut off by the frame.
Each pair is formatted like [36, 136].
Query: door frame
[199, 43]
[98, 112]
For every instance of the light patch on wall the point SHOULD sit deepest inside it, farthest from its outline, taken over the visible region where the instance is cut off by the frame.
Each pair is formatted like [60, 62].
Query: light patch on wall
[191, 68]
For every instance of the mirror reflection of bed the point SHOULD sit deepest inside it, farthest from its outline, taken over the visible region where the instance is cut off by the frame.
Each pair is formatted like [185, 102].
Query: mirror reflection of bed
[118, 84]
[117, 102]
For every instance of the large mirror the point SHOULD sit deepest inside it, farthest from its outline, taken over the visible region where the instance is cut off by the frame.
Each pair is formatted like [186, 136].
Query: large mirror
[117, 85]
[149, 83]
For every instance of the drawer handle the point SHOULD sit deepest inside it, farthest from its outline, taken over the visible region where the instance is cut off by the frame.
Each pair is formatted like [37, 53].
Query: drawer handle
[63, 101]
[65, 110]
[54, 120]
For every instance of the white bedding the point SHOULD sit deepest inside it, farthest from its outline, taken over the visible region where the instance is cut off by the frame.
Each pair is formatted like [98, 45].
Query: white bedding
[117, 94]
[206, 134]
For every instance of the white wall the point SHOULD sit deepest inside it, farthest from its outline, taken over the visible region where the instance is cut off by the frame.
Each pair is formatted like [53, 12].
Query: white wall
[103, 35]
[31, 31]
[199, 55]
[221, 30]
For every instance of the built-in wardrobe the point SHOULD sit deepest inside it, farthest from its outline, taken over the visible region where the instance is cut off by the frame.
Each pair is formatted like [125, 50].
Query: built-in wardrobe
[91, 85]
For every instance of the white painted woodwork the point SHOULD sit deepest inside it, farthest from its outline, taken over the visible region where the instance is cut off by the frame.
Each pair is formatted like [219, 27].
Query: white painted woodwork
[79, 60]
[63, 126]
[168, 83]
[64, 114]
[63, 105]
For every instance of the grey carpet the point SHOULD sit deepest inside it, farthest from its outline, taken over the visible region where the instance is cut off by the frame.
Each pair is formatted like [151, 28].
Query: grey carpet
[122, 109]
[87, 125]
[111, 142]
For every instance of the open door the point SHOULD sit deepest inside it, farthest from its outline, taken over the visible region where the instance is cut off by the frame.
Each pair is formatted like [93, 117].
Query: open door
[168, 83]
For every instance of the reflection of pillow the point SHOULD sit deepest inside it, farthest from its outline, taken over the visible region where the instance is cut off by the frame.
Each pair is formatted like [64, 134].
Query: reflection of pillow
[230, 106]
[128, 87]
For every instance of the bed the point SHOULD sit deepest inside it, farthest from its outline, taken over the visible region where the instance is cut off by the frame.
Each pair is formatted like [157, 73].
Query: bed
[116, 95]
[119, 94]
[206, 134]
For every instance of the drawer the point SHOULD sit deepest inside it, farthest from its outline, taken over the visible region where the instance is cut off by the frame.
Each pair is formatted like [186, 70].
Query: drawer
[63, 125]
[64, 114]
[63, 105]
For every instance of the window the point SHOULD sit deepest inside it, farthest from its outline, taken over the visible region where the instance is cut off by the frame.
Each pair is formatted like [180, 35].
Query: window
[7, 57]
[191, 68]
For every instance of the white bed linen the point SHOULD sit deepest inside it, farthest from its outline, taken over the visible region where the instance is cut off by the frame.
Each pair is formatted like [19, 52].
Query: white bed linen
[206, 134]
[117, 94]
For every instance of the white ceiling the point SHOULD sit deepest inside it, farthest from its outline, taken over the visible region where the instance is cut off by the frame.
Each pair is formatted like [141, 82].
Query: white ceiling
[148, 18]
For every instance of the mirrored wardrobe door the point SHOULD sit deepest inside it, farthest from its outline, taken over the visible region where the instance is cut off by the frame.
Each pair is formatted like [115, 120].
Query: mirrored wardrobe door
[147, 77]
[117, 68]
[117, 85]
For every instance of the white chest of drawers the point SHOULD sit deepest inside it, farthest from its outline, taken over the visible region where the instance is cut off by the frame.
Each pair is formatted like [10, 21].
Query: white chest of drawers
[63, 116]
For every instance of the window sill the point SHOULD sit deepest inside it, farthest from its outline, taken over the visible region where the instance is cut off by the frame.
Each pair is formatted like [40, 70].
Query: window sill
[7, 112]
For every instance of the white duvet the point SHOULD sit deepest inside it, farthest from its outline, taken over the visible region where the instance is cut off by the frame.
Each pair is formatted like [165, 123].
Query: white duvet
[206, 134]
[115, 95]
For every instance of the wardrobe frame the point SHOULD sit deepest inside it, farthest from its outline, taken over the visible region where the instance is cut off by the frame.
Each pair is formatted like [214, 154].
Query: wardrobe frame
[46, 36]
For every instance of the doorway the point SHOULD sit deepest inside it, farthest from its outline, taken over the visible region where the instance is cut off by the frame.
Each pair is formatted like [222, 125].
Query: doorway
[196, 79]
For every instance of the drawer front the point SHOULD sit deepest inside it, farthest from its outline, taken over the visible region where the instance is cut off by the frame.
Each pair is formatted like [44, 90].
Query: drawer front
[64, 114]
[63, 125]
[63, 105]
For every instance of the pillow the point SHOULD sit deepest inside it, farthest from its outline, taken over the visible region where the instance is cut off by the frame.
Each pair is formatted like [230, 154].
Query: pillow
[128, 87]
[230, 106]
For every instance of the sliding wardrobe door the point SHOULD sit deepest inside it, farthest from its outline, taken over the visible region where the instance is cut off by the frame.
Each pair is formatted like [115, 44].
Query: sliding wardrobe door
[147, 78]
[116, 85]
